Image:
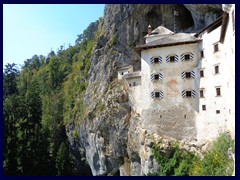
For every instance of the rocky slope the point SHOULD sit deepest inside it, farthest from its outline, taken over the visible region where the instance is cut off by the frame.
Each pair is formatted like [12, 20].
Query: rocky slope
[112, 136]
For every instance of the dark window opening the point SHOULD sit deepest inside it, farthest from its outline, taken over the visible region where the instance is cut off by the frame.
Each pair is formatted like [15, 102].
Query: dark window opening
[218, 91]
[201, 94]
[157, 94]
[188, 93]
[215, 47]
[130, 85]
[201, 73]
[155, 60]
[185, 116]
[172, 58]
[188, 75]
[216, 69]
[217, 111]
[134, 83]
[156, 76]
[204, 107]
[122, 73]
[160, 116]
[187, 57]
[202, 53]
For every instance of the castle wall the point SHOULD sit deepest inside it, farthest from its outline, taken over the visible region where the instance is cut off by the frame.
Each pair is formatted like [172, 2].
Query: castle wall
[172, 115]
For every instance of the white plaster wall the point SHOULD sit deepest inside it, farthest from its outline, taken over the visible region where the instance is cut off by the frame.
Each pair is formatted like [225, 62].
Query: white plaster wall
[124, 71]
[172, 83]
[208, 123]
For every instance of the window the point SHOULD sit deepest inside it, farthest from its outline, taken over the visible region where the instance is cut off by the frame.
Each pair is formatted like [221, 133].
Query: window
[215, 46]
[172, 58]
[134, 83]
[156, 76]
[130, 85]
[188, 93]
[185, 116]
[155, 60]
[201, 93]
[188, 74]
[202, 53]
[157, 94]
[122, 73]
[218, 91]
[187, 57]
[216, 69]
[204, 107]
[217, 111]
[201, 73]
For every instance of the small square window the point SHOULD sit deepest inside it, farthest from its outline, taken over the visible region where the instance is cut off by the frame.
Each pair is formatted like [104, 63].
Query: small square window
[204, 107]
[157, 94]
[187, 57]
[218, 91]
[202, 53]
[156, 76]
[216, 69]
[122, 73]
[215, 47]
[172, 58]
[217, 111]
[201, 93]
[188, 74]
[188, 93]
[155, 60]
[201, 73]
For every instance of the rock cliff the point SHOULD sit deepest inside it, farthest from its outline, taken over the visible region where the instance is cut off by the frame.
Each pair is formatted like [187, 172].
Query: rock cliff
[112, 136]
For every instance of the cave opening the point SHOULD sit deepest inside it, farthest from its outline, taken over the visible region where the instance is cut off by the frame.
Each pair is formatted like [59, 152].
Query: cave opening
[184, 20]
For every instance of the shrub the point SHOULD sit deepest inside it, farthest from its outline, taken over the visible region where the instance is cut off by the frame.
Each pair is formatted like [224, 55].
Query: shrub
[216, 161]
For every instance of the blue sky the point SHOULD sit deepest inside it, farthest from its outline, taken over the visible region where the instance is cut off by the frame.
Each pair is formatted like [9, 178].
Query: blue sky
[30, 29]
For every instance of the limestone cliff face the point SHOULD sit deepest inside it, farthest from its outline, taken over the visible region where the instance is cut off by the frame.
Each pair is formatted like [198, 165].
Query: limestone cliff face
[113, 137]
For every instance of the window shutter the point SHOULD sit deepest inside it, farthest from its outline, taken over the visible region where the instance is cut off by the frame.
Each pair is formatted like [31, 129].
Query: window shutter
[160, 59]
[193, 74]
[183, 75]
[161, 94]
[152, 60]
[168, 59]
[193, 93]
[152, 95]
[182, 57]
[152, 77]
[183, 93]
[176, 58]
[160, 76]
[191, 56]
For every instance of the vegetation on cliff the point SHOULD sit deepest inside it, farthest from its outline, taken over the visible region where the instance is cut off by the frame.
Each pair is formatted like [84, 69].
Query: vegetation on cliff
[40, 100]
[217, 161]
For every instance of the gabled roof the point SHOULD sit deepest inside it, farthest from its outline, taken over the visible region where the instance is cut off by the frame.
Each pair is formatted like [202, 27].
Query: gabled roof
[125, 67]
[169, 40]
[160, 30]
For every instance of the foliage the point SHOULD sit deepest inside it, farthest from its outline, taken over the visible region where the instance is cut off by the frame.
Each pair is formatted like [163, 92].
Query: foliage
[39, 102]
[177, 163]
[216, 161]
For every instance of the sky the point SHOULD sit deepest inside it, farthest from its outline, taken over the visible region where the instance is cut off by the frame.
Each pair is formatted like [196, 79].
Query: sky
[30, 29]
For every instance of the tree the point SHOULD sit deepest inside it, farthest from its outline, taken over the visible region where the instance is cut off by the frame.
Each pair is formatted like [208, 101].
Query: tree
[10, 79]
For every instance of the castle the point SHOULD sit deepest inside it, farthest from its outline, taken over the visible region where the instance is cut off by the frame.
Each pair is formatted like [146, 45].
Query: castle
[186, 86]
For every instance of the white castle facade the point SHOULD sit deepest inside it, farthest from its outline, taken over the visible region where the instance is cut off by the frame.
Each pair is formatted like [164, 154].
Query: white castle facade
[186, 86]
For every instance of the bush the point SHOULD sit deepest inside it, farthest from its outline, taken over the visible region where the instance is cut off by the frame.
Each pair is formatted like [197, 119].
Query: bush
[216, 161]
[178, 163]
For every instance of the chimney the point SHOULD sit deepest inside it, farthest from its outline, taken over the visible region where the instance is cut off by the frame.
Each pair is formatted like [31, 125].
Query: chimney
[149, 30]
